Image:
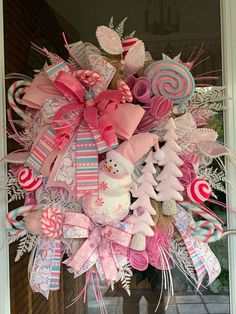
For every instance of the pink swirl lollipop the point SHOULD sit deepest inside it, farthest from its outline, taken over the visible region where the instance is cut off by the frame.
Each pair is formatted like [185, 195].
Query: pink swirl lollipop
[198, 191]
[27, 180]
[171, 80]
[51, 222]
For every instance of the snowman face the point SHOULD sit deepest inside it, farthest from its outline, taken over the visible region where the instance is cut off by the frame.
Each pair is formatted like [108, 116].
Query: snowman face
[113, 167]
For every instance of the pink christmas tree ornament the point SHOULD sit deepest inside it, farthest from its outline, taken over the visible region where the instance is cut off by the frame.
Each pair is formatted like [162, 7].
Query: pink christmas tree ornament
[169, 187]
[145, 189]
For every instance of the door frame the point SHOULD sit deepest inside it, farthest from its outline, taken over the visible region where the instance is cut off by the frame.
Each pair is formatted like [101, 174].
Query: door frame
[5, 304]
[228, 30]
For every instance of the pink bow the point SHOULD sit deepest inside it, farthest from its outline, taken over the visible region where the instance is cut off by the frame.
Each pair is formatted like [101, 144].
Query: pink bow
[39, 90]
[99, 241]
[69, 86]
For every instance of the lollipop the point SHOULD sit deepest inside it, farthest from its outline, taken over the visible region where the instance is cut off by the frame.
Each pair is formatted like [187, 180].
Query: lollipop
[171, 80]
[27, 180]
[198, 191]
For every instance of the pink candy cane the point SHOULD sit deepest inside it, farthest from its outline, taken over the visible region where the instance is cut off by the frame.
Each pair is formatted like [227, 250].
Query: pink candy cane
[124, 88]
[51, 222]
[209, 230]
[15, 91]
[17, 227]
[88, 77]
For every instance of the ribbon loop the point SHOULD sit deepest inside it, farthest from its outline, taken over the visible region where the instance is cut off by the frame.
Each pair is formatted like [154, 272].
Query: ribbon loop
[99, 239]
[70, 86]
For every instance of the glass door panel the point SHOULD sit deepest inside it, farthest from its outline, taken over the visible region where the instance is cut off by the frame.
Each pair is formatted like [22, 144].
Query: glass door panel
[165, 26]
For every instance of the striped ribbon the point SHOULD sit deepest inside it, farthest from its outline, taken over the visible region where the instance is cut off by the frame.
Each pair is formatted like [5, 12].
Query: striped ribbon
[181, 221]
[45, 274]
[42, 149]
[55, 267]
[204, 261]
[87, 162]
[89, 144]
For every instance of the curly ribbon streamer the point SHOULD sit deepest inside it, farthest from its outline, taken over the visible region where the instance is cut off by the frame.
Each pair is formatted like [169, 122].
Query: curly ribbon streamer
[159, 109]
[99, 239]
[203, 259]
[142, 90]
[45, 274]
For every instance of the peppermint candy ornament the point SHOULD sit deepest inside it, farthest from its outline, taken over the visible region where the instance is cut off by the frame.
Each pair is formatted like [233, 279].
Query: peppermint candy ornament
[27, 181]
[51, 222]
[198, 191]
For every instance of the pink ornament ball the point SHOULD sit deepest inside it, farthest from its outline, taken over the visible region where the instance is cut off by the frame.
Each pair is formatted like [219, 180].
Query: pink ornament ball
[198, 191]
[27, 180]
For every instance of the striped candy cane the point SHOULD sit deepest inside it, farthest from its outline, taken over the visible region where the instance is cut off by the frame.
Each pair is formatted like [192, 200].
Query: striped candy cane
[15, 91]
[209, 230]
[88, 77]
[124, 88]
[17, 227]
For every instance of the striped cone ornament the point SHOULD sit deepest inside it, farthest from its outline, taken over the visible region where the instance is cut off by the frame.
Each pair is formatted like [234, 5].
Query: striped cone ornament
[51, 222]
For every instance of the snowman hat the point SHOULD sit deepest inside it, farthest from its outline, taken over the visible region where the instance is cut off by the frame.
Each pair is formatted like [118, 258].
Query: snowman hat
[132, 150]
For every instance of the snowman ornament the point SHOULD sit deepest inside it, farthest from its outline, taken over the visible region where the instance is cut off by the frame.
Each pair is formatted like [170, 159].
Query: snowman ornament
[113, 201]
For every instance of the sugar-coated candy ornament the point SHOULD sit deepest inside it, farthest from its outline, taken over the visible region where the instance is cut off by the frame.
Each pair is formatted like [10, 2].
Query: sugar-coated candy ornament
[27, 181]
[198, 191]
